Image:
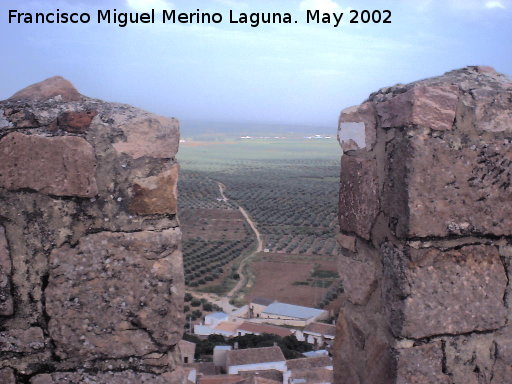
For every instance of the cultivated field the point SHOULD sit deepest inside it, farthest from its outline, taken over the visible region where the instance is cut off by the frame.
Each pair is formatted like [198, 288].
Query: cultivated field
[290, 190]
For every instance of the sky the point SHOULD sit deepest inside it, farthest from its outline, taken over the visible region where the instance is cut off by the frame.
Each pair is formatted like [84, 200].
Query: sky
[295, 73]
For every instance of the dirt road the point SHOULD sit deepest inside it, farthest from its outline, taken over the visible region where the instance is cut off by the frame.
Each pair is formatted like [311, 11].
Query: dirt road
[258, 249]
[223, 302]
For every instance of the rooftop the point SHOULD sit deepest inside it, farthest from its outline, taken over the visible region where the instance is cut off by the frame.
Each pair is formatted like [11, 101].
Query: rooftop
[270, 374]
[218, 315]
[309, 362]
[313, 376]
[221, 379]
[321, 328]
[264, 328]
[290, 310]
[227, 326]
[254, 356]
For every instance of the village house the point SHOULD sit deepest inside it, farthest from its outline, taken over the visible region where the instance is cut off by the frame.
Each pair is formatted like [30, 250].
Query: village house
[319, 334]
[292, 315]
[187, 351]
[248, 328]
[312, 370]
[258, 305]
[224, 328]
[215, 318]
[256, 359]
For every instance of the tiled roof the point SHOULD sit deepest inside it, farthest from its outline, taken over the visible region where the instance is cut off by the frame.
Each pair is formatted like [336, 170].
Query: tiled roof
[314, 375]
[270, 374]
[204, 368]
[221, 379]
[227, 326]
[290, 310]
[321, 328]
[309, 362]
[263, 328]
[262, 301]
[260, 380]
[254, 356]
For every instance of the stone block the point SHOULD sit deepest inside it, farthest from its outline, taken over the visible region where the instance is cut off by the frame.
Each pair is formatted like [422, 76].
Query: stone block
[432, 107]
[61, 166]
[462, 195]
[470, 358]
[22, 340]
[491, 109]
[147, 135]
[430, 292]
[156, 194]
[116, 295]
[359, 279]
[359, 202]
[422, 365]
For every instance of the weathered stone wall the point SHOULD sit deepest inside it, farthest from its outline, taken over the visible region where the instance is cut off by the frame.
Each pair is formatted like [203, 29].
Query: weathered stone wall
[426, 233]
[91, 279]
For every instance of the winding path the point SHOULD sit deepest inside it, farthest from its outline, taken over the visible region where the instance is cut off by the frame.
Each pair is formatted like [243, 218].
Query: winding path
[258, 249]
[223, 302]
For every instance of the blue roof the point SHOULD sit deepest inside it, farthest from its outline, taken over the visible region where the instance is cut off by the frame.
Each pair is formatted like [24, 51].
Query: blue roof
[218, 315]
[290, 310]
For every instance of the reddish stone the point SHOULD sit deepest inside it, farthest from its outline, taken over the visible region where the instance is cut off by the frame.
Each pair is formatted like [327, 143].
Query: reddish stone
[76, 122]
[62, 166]
[148, 135]
[428, 106]
[47, 89]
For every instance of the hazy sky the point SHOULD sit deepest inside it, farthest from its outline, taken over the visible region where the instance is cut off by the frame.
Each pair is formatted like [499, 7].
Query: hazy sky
[291, 73]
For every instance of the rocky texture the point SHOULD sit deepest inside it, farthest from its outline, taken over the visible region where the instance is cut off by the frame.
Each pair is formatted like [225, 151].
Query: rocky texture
[128, 377]
[7, 376]
[62, 166]
[6, 303]
[426, 221]
[421, 365]
[91, 279]
[359, 204]
[54, 87]
[156, 194]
